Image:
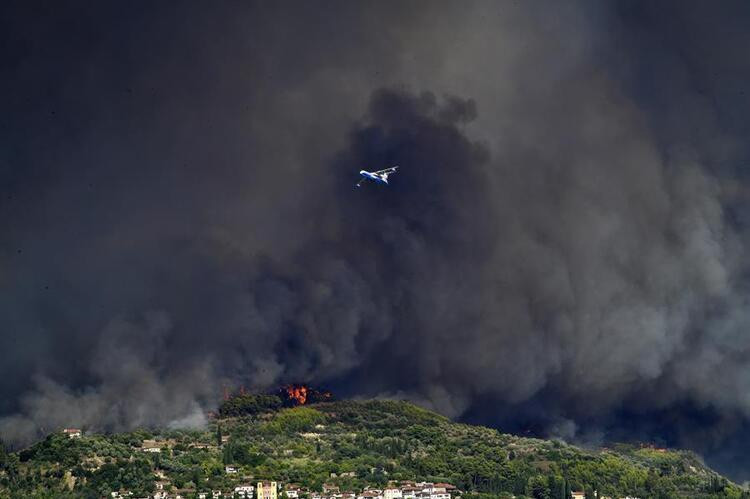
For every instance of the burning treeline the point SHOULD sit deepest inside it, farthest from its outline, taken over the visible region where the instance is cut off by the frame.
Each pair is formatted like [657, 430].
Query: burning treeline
[293, 395]
[242, 403]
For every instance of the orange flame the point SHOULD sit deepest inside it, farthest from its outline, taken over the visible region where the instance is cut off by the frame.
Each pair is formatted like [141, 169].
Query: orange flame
[297, 393]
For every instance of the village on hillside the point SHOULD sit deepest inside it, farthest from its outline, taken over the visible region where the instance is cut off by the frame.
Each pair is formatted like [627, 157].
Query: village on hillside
[250, 489]
[275, 490]
[245, 486]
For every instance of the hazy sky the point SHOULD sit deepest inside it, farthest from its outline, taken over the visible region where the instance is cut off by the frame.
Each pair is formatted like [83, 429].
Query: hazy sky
[562, 252]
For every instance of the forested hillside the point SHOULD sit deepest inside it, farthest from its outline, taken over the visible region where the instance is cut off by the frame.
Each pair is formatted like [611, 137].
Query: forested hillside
[351, 445]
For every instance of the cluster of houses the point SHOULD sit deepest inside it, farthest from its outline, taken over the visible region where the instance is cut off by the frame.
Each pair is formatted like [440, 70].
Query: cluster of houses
[582, 495]
[404, 490]
[265, 490]
[273, 490]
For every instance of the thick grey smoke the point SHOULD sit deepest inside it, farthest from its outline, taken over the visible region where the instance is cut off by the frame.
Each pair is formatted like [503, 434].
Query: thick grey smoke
[562, 247]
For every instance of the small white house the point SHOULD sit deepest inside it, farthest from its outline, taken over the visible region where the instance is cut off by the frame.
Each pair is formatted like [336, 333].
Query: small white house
[410, 492]
[230, 470]
[151, 446]
[72, 432]
[392, 493]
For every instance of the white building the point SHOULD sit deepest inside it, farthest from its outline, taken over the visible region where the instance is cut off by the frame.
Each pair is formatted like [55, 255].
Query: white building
[292, 493]
[72, 432]
[437, 492]
[151, 446]
[392, 493]
[409, 492]
[444, 487]
[230, 470]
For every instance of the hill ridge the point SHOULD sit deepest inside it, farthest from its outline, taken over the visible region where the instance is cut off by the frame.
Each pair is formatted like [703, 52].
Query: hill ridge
[349, 444]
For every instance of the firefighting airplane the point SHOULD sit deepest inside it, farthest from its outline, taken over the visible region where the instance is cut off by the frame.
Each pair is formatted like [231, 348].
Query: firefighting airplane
[378, 176]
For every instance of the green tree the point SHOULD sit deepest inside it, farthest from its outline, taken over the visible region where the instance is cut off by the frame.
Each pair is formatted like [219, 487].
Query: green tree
[249, 404]
[538, 488]
[228, 454]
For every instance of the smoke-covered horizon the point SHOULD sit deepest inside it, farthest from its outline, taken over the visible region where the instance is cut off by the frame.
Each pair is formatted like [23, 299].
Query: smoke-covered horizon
[561, 251]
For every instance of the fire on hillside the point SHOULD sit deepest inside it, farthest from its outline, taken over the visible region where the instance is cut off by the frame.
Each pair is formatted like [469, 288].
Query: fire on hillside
[300, 394]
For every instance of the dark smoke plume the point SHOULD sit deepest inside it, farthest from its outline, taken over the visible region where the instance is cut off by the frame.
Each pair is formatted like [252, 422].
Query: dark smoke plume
[561, 251]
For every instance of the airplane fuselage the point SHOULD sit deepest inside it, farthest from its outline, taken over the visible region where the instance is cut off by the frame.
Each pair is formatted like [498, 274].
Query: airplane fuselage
[372, 176]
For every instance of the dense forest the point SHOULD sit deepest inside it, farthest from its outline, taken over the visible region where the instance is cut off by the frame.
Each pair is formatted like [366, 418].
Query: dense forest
[350, 444]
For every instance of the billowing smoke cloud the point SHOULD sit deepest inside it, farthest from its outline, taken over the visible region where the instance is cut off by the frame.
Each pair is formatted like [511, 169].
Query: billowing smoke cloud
[561, 250]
